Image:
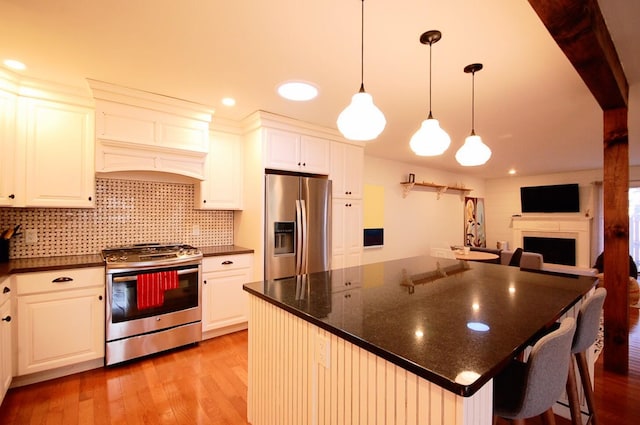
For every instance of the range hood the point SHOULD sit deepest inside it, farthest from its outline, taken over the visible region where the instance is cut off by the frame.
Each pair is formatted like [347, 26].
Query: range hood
[142, 131]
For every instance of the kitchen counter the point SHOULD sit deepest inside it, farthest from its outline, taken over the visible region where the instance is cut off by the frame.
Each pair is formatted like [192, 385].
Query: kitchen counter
[27, 265]
[453, 323]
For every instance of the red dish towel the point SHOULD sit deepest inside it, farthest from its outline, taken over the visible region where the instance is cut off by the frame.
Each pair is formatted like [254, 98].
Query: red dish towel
[151, 287]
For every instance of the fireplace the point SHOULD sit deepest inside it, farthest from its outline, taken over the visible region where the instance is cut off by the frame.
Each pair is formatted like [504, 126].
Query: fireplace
[554, 236]
[553, 250]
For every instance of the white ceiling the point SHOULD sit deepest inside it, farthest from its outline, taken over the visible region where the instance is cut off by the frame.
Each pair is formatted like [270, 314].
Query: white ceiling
[532, 108]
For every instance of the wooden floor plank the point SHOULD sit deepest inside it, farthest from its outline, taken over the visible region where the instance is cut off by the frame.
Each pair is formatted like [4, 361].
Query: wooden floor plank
[207, 384]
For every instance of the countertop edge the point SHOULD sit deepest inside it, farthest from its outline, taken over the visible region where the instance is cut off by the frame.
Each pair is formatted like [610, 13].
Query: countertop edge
[38, 264]
[454, 387]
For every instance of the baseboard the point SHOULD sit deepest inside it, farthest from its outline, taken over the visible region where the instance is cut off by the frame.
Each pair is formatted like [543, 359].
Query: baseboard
[32, 378]
[223, 331]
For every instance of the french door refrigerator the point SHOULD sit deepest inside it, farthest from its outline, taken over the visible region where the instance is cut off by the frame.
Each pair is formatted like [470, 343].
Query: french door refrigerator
[297, 225]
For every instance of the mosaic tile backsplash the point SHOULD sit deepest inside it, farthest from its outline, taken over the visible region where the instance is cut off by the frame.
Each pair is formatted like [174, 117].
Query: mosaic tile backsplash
[126, 212]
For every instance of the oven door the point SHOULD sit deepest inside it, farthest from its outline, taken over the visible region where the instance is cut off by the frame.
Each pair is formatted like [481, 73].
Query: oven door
[181, 305]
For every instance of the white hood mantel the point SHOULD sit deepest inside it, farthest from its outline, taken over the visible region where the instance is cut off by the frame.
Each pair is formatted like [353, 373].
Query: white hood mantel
[560, 226]
[141, 131]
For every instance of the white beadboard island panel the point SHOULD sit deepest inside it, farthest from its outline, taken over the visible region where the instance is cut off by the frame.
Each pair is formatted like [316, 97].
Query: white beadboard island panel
[289, 385]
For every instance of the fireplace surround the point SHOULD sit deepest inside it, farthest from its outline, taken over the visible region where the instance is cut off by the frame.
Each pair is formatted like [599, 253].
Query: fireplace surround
[570, 228]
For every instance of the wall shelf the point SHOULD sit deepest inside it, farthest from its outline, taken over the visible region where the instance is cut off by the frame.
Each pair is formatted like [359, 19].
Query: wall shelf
[407, 187]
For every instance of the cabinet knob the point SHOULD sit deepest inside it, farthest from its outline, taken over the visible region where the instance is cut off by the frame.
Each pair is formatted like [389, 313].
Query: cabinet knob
[90, 197]
[204, 281]
[227, 262]
[304, 164]
[204, 201]
[6, 289]
[298, 164]
[6, 319]
[12, 196]
[63, 279]
[100, 297]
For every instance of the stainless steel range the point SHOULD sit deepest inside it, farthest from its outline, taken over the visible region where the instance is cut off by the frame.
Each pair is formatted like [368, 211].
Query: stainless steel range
[153, 299]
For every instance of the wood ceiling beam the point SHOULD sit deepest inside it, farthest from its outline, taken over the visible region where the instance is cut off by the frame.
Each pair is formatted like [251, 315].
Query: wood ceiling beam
[579, 29]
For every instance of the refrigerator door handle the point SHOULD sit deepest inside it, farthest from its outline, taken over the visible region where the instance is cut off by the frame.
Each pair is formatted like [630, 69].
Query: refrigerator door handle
[305, 237]
[299, 240]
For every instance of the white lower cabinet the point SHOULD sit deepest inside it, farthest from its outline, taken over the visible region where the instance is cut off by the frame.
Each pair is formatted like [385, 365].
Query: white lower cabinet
[224, 302]
[61, 316]
[6, 345]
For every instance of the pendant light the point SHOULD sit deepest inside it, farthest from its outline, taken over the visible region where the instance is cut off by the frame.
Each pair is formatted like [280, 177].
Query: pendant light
[361, 120]
[430, 139]
[473, 152]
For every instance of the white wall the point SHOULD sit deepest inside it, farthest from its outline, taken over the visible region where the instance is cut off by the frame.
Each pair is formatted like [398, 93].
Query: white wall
[502, 199]
[414, 224]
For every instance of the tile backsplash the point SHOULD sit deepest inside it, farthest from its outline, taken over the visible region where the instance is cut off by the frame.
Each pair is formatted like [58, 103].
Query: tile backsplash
[126, 212]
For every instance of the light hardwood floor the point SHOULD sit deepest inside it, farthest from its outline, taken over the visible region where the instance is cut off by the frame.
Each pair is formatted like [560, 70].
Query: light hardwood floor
[207, 384]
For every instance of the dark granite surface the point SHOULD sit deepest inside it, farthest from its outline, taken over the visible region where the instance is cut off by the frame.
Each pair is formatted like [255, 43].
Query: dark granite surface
[416, 313]
[27, 265]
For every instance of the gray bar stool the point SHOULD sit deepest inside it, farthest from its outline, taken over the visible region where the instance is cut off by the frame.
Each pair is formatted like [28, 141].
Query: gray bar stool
[587, 327]
[525, 390]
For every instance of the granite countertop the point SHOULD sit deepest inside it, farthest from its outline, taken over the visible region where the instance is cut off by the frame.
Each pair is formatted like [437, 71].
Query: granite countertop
[27, 265]
[419, 313]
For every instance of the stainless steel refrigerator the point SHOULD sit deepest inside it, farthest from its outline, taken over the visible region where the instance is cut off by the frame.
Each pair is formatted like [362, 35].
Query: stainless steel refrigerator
[297, 225]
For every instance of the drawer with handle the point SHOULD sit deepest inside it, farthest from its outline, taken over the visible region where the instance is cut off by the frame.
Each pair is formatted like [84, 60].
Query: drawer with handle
[58, 280]
[226, 262]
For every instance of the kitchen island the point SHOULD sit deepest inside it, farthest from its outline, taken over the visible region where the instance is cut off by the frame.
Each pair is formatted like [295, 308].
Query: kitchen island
[411, 341]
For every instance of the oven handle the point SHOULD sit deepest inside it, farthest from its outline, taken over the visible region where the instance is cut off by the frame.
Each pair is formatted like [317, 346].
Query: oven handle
[118, 279]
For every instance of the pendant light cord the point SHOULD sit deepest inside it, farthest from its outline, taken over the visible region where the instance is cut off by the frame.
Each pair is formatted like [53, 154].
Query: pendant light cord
[362, 48]
[473, 102]
[430, 114]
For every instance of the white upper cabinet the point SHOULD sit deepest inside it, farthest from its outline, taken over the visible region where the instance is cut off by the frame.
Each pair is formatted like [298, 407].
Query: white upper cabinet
[295, 152]
[46, 141]
[140, 131]
[222, 187]
[7, 148]
[347, 164]
[58, 139]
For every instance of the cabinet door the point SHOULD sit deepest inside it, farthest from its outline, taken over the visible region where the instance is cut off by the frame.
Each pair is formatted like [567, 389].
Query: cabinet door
[282, 150]
[7, 148]
[222, 187]
[224, 301]
[59, 140]
[6, 363]
[347, 163]
[315, 155]
[346, 233]
[60, 328]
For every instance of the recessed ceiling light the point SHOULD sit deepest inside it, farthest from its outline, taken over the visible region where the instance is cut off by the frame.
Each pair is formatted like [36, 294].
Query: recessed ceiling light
[228, 101]
[512, 172]
[14, 64]
[297, 90]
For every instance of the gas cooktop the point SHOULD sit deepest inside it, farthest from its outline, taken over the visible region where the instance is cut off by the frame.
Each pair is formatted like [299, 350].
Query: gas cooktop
[149, 254]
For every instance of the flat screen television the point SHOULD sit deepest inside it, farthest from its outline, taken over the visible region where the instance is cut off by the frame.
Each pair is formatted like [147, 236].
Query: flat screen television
[549, 199]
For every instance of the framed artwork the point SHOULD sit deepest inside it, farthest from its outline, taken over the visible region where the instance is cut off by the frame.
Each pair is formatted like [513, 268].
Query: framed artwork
[474, 222]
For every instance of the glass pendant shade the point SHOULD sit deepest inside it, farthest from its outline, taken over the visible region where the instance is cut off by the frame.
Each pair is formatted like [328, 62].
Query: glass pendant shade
[473, 152]
[430, 139]
[361, 120]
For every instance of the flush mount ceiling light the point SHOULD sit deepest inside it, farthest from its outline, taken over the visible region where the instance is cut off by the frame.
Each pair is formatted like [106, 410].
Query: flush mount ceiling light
[228, 101]
[14, 64]
[473, 152]
[298, 91]
[361, 120]
[430, 139]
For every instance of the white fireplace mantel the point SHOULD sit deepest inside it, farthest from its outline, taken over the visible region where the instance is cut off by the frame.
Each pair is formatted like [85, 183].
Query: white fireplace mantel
[569, 227]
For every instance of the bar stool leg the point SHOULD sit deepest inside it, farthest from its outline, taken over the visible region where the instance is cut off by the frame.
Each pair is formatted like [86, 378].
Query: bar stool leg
[583, 368]
[548, 418]
[572, 393]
